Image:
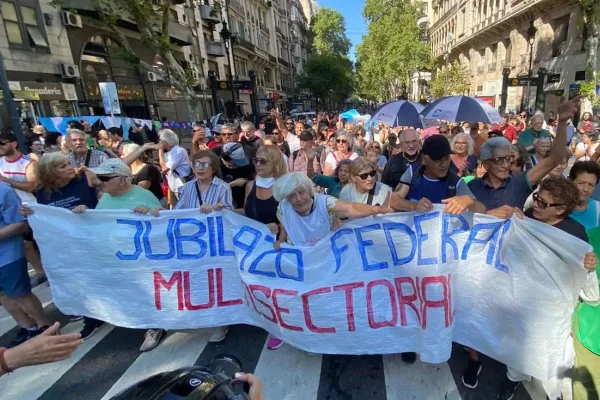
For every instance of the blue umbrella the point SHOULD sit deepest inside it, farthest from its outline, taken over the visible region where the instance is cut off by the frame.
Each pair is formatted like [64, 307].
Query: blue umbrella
[461, 108]
[399, 113]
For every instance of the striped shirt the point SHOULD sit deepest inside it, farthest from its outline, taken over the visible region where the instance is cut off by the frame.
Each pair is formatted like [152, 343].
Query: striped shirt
[217, 192]
[298, 162]
[96, 159]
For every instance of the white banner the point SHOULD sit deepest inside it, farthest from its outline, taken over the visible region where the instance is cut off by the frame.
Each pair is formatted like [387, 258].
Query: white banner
[400, 283]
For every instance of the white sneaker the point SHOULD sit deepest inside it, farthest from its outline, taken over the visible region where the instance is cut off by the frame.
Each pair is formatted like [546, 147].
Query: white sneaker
[218, 334]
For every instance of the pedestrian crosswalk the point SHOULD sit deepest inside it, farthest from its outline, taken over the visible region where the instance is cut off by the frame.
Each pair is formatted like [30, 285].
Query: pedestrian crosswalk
[110, 361]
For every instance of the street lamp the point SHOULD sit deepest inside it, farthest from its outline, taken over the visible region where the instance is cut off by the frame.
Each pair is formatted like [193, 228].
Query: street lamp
[226, 36]
[531, 31]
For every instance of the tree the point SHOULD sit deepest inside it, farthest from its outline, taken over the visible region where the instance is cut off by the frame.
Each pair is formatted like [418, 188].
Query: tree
[327, 77]
[392, 49]
[328, 33]
[591, 18]
[451, 80]
[152, 20]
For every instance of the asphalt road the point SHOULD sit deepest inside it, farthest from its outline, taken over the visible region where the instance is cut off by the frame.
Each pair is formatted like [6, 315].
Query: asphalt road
[110, 361]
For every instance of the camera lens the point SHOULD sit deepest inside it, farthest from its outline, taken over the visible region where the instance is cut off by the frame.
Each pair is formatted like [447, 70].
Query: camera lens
[225, 364]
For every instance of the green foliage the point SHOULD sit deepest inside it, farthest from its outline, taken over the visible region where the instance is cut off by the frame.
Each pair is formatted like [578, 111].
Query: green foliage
[590, 10]
[328, 33]
[587, 88]
[450, 81]
[327, 77]
[391, 50]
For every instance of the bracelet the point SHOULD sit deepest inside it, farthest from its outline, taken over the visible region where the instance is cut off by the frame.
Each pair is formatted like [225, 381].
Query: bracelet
[3, 365]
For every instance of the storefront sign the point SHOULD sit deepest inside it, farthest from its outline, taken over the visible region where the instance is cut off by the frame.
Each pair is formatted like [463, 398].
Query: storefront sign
[553, 78]
[23, 95]
[238, 85]
[523, 81]
[110, 97]
[125, 92]
[491, 100]
[43, 91]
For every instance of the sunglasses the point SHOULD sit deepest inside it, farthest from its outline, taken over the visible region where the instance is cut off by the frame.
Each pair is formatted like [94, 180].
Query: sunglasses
[201, 164]
[442, 132]
[289, 123]
[105, 178]
[502, 160]
[197, 130]
[368, 174]
[542, 203]
[341, 141]
[4, 142]
[261, 161]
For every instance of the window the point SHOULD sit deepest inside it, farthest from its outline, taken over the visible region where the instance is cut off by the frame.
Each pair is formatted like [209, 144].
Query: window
[561, 33]
[240, 66]
[22, 25]
[213, 66]
[268, 76]
[508, 56]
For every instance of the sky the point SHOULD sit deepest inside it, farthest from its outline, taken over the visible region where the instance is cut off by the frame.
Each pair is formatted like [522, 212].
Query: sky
[355, 24]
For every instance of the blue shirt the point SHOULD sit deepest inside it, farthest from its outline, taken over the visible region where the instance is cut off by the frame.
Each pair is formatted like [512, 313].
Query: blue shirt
[589, 217]
[11, 249]
[435, 190]
[513, 192]
[75, 193]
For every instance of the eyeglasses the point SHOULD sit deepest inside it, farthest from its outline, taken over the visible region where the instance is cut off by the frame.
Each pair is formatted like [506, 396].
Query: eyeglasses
[460, 143]
[341, 141]
[289, 123]
[501, 160]
[371, 174]
[201, 164]
[227, 134]
[542, 203]
[261, 161]
[198, 130]
[105, 178]
[442, 132]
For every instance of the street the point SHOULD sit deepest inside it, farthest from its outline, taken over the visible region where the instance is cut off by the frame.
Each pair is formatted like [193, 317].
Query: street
[110, 361]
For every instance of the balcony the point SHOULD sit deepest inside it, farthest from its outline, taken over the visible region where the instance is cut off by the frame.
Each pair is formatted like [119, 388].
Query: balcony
[492, 67]
[215, 48]
[209, 13]
[480, 69]
[284, 63]
[273, 59]
[265, 29]
[236, 6]
[241, 42]
[278, 30]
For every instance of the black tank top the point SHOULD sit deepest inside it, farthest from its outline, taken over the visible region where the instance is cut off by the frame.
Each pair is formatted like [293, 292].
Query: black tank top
[264, 211]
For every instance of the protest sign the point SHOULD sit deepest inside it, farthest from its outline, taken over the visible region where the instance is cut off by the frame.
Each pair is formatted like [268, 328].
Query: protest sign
[399, 283]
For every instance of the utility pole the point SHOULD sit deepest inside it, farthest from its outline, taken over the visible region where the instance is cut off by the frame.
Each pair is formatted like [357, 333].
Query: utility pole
[15, 118]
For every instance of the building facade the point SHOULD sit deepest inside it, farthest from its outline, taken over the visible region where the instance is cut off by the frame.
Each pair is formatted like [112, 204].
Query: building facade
[55, 57]
[517, 36]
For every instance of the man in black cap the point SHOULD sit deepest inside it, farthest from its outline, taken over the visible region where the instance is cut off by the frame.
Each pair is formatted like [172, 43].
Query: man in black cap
[433, 182]
[306, 160]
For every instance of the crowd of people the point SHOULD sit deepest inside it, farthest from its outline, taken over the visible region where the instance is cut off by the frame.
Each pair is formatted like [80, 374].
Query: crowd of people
[303, 179]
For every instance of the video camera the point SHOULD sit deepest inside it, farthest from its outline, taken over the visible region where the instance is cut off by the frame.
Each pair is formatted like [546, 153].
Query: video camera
[211, 382]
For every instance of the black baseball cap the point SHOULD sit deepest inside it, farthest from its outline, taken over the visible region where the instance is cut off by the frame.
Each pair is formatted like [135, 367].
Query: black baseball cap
[8, 136]
[436, 147]
[306, 136]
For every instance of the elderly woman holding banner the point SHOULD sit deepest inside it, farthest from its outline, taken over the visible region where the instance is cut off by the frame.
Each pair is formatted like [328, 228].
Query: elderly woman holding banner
[364, 187]
[306, 216]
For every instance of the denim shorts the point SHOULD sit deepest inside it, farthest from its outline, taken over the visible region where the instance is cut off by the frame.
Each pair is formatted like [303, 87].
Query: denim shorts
[14, 279]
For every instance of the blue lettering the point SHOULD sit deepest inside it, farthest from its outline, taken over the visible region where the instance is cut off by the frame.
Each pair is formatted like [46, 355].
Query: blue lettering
[491, 239]
[337, 251]
[136, 240]
[195, 237]
[422, 237]
[221, 237]
[248, 248]
[388, 227]
[447, 237]
[299, 264]
[253, 267]
[170, 239]
[211, 236]
[498, 264]
[362, 247]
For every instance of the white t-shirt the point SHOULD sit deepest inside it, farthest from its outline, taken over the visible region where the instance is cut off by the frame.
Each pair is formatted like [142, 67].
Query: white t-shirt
[590, 150]
[307, 230]
[293, 142]
[333, 160]
[177, 160]
[350, 194]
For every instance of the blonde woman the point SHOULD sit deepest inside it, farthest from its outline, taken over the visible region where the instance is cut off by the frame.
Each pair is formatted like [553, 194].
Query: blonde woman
[373, 152]
[363, 187]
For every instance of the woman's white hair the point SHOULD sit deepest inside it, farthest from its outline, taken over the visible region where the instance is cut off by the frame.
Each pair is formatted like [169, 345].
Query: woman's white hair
[491, 145]
[291, 182]
[470, 142]
[129, 148]
[169, 137]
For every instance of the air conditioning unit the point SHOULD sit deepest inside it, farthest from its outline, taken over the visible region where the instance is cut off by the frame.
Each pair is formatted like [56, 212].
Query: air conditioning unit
[72, 20]
[151, 76]
[69, 71]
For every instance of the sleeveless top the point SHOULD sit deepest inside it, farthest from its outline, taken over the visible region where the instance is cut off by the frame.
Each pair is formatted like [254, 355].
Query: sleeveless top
[75, 193]
[16, 170]
[264, 211]
[308, 229]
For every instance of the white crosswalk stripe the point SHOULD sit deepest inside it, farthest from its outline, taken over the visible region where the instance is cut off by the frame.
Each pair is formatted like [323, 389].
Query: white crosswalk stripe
[287, 373]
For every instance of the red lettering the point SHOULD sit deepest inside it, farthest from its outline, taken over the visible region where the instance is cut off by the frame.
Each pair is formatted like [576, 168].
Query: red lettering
[220, 301]
[450, 316]
[372, 323]
[348, 288]
[249, 298]
[160, 281]
[312, 327]
[406, 300]
[279, 310]
[188, 295]
[434, 280]
[267, 292]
